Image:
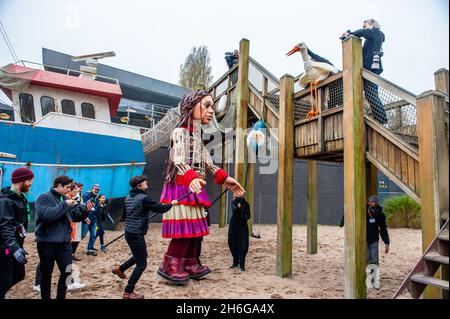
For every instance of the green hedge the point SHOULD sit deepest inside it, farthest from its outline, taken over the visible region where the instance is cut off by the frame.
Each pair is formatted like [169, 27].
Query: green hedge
[402, 212]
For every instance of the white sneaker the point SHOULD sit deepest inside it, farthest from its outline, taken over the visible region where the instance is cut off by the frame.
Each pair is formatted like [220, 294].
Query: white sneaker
[37, 288]
[76, 286]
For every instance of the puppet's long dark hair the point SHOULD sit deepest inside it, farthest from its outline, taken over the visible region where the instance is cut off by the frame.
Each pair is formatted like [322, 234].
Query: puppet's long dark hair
[187, 106]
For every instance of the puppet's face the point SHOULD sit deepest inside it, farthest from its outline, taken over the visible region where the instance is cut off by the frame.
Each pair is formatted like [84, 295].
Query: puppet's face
[203, 111]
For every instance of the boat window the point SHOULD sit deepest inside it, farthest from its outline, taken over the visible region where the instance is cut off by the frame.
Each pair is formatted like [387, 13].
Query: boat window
[47, 105]
[27, 108]
[68, 107]
[87, 110]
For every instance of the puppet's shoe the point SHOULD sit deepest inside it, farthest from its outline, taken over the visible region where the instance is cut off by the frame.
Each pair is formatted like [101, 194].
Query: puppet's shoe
[172, 269]
[234, 265]
[194, 270]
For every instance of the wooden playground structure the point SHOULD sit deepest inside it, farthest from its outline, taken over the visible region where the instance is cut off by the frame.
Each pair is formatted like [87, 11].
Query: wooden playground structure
[411, 149]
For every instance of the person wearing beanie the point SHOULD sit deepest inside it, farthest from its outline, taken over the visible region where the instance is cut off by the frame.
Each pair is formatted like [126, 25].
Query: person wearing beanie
[375, 227]
[138, 205]
[14, 217]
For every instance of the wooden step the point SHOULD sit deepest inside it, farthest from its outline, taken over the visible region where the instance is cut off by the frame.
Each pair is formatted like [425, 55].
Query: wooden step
[443, 284]
[435, 257]
[444, 236]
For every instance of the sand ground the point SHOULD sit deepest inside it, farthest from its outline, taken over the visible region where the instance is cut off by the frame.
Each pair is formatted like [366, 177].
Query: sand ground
[314, 276]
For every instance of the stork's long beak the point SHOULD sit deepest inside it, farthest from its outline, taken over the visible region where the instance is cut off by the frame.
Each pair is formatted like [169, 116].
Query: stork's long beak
[295, 49]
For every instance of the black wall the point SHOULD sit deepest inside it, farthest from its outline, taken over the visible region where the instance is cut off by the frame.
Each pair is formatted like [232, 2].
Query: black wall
[330, 191]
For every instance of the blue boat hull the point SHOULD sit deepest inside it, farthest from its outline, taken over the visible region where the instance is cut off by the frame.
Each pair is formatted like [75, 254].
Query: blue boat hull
[88, 158]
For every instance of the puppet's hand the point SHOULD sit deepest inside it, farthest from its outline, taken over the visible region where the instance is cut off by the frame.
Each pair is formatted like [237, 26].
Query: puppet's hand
[234, 186]
[196, 185]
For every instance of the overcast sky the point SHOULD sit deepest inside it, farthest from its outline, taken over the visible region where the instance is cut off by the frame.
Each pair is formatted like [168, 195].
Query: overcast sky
[152, 38]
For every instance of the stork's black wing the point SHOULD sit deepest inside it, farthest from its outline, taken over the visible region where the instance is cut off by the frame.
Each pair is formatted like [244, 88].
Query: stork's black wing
[318, 58]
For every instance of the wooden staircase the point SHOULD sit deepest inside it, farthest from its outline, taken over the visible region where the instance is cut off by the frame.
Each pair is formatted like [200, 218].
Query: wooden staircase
[394, 157]
[421, 276]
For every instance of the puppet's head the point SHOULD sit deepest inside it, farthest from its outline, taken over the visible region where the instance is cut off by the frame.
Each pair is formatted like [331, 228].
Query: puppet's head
[196, 105]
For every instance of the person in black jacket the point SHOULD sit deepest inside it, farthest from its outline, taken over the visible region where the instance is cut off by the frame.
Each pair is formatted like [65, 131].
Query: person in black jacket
[14, 216]
[54, 212]
[238, 232]
[137, 206]
[102, 214]
[375, 227]
[92, 195]
[372, 53]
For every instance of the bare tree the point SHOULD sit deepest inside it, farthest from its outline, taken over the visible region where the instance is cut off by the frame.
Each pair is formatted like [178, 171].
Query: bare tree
[195, 73]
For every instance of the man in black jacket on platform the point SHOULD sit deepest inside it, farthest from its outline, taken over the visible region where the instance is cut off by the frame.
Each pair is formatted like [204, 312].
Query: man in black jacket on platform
[54, 212]
[14, 215]
[137, 208]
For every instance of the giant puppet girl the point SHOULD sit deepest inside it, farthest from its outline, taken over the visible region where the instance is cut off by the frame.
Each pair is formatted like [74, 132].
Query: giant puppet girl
[186, 169]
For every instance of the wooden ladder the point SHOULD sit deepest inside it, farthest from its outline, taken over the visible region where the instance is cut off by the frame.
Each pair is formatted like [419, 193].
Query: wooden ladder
[422, 275]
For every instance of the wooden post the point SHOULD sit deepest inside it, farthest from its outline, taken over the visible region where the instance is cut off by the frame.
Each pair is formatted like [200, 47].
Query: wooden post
[354, 171]
[311, 229]
[223, 200]
[241, 112]
[433, 156]
[441, 84]
[285, 177]
[441, 80]
[265, 91]
[250, 189]
[371, 179]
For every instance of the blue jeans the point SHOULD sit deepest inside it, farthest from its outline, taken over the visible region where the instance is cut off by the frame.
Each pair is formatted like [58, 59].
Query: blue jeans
[84, 229]
[372, 253]
[92, 235]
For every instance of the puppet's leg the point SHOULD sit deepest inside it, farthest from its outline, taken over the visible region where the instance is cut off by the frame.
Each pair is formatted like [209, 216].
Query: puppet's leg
[172, 266]
[190, 263]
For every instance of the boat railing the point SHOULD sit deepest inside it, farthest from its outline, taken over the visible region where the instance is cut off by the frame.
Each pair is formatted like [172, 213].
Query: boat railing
[66, 71]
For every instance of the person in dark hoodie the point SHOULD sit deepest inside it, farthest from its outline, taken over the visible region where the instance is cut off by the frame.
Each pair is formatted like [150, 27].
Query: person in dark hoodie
[138, 205]
[238, 232]
[372, 53]
[375, 228]
[14, 216]
[54, 213]
[92, 195]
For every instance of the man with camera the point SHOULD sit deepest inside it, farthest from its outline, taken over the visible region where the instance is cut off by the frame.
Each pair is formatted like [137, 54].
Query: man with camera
[54, 213]
[372, 53]
[14, 217]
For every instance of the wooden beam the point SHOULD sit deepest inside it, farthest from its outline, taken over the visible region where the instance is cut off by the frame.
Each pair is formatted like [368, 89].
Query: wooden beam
[441, 84]
[433, 155]
[354, 171]
[371, 180]
[241, 112]
[311, 220]
[441, 80]
[285, 177]
[223, 200]
[251, 190]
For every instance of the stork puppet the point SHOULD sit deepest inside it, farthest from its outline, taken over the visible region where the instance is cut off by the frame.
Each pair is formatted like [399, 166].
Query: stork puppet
[316, 69]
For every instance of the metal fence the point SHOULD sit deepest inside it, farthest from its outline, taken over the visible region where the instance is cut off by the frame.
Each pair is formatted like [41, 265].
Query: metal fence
[391, 106]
